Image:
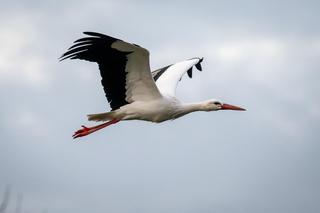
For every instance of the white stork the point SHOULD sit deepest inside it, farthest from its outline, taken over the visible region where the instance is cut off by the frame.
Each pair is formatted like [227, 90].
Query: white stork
[132, 90]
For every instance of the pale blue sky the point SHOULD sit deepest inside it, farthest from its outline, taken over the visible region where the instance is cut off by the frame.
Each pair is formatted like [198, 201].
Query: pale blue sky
[261, 55]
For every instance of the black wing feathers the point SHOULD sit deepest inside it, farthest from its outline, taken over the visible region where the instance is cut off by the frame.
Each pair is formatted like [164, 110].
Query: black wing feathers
[112, 62]
[190, 72]
[157, 73]
[198, 65]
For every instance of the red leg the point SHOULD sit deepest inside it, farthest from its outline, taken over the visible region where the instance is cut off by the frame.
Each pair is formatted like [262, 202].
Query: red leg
[88, 130]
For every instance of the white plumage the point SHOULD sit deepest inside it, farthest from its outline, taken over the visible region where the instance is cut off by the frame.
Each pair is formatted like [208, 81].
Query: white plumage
[168, 82]
[133, 91]
[139, 84]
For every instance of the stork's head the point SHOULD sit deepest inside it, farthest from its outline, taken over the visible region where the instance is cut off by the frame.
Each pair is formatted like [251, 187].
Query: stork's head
[214, 105]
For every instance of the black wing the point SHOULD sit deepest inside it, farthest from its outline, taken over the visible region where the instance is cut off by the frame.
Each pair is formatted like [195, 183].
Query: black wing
[112, 63]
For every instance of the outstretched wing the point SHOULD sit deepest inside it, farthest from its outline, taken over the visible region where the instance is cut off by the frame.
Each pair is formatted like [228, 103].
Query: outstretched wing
[167, 78]
[124, 68]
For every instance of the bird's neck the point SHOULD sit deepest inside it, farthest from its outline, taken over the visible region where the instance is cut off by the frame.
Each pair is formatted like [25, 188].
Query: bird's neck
[192, 107]
[189, 107]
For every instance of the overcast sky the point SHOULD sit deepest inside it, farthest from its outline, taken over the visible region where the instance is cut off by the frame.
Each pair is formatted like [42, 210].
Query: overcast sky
[261, 55]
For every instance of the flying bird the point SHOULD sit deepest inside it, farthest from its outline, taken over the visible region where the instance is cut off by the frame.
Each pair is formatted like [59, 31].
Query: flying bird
[132, 90]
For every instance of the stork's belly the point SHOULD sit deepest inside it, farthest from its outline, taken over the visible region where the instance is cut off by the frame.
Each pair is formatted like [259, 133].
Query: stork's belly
[154, 111]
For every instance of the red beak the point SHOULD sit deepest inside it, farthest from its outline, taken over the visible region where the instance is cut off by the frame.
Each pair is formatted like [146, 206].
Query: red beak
[231, 107]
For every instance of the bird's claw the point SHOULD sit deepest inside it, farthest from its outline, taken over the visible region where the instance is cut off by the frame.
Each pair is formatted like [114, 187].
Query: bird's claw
[81, 132]
[88, 130]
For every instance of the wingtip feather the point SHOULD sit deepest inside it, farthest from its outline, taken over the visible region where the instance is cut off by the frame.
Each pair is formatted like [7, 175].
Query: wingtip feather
[189, 72]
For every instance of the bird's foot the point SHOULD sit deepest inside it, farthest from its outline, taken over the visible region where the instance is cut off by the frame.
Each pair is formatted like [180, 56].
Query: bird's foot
[82, 132]
[88, 130]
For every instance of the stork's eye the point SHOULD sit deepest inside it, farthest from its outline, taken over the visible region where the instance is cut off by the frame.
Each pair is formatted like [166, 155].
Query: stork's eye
[216, 103]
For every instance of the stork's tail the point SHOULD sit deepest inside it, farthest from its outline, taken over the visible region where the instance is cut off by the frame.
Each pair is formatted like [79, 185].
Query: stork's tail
[102, 116]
